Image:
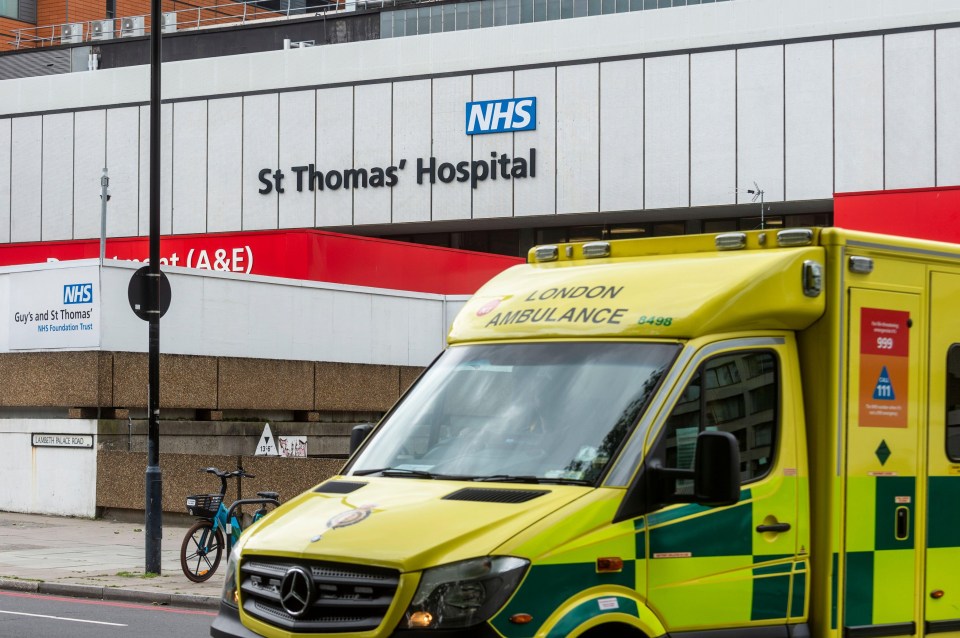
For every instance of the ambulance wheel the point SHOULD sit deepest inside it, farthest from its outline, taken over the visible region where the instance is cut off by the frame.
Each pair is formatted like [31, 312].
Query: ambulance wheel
[613, 630]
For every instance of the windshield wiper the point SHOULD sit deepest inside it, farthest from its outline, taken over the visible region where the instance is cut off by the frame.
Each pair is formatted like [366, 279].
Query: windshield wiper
[396, 471]
[566, 481]
[505, 478]
[510, 478]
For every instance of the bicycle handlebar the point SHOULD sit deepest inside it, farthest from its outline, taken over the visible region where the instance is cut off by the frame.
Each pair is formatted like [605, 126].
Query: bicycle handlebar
[220, 474]
[223, 476]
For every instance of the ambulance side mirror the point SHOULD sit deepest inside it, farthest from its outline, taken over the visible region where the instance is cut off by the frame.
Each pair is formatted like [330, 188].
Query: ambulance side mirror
[714, 480]
[716, 473]
[358, 435]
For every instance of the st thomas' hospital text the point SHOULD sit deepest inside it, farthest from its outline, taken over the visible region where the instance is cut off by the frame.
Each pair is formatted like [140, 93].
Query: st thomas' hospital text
[499, 166]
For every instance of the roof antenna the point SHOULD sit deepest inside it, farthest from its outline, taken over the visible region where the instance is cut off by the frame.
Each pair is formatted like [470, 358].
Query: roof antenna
[757, 193]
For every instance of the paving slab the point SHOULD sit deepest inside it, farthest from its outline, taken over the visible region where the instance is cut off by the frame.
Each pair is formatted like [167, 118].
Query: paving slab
[100, 558]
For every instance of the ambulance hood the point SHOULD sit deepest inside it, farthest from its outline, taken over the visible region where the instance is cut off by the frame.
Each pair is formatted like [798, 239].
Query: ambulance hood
[404, 523]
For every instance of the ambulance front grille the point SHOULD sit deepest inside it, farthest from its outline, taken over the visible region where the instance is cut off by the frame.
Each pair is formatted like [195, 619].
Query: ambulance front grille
[343, 597]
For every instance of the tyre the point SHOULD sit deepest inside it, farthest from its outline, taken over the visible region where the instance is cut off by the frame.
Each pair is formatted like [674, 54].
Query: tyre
[613, 630]
[201, 551]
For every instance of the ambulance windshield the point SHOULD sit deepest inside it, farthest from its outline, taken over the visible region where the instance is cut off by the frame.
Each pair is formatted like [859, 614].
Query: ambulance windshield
[534, 412]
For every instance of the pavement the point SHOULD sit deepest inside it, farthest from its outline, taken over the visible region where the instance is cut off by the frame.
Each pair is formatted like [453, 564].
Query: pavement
[102, 559]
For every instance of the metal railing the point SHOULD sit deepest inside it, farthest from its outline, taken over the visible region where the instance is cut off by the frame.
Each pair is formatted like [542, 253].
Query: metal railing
[425, 16]
[193, 18]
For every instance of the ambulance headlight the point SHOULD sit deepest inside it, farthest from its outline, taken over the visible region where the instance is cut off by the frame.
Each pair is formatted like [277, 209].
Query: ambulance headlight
[230, 594]
[465, 593]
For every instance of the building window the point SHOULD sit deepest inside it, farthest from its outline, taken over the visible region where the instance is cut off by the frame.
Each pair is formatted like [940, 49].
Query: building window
[9, 9]
[518, 242]
[495, 13]
[720, 225]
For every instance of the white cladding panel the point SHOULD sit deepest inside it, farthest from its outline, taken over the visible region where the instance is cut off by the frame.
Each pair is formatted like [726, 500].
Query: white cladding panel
[948, 113]
[387, 339]
[298, 147]
[493, 197]
[621, 135]
[909, 128]
[321, 305]
[123, 166]
[451, 144]
[260, 141]
[89, 157]
[273, 307]
[426, 329]
[240, 316]
[352, 327]
[56, 198]
[667, 129]
[808, 116]
[417, 334]
[412, 109]
[538, 195]
[802, 120]
[189, 214]
[225, 164]
[166, 169]
[713, 128]
[4, 181]
[371, 147]
[578, 138]
[5, 299]
[334, 152]
[858, 112]
[27, 167]
[760, 122]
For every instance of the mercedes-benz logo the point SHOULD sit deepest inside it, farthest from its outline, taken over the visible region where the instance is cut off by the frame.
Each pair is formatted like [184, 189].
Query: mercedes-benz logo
[297, 591]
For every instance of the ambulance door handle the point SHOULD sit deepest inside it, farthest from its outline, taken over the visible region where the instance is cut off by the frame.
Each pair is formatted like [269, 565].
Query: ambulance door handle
[774, 527]
[903, 523]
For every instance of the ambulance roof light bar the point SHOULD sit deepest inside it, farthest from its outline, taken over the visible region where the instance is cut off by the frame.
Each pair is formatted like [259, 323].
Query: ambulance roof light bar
[596, 249]
[547, 253]
[731, 241]
[795, 237]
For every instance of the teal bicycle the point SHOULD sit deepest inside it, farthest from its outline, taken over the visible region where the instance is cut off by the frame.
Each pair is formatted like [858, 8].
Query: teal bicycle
[203, 544]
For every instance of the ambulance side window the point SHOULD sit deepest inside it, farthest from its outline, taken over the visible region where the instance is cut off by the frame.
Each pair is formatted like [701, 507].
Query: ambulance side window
[737, 393]
[953, 403]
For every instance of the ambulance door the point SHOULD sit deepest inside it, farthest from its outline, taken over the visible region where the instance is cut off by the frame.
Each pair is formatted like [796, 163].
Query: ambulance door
[743, 566]
[882, 451]
[942, 591]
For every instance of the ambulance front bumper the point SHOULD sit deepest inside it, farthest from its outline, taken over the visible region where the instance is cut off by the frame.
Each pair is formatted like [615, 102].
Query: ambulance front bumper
[227, 625]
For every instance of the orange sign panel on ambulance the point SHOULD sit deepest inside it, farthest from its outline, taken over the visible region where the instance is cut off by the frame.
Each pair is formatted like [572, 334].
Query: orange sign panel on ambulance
[884, 367]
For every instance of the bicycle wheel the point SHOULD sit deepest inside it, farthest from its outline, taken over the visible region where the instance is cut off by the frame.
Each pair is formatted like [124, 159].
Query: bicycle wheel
[200, 551]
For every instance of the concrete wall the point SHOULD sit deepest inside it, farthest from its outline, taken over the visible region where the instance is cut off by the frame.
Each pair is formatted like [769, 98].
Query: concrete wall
[120, 481]
[76, 481]
[118, 380]
[47, 480]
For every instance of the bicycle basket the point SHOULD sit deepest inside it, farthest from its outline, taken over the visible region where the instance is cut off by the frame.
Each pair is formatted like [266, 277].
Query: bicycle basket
[205, 505]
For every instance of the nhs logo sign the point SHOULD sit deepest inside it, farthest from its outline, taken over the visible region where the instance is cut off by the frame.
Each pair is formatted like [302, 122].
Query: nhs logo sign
[502, 116]
[78, 293]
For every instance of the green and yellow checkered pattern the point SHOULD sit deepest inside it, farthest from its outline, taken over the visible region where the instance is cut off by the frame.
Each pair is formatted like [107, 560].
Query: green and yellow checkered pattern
[875, 557]
[713, 556]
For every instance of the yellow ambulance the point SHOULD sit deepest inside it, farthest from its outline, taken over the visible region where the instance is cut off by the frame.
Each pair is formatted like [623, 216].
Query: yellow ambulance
[747, 435]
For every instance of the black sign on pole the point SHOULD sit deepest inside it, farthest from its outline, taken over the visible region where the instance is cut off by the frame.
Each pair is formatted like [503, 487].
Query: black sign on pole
[138, 293]
[153, 512]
